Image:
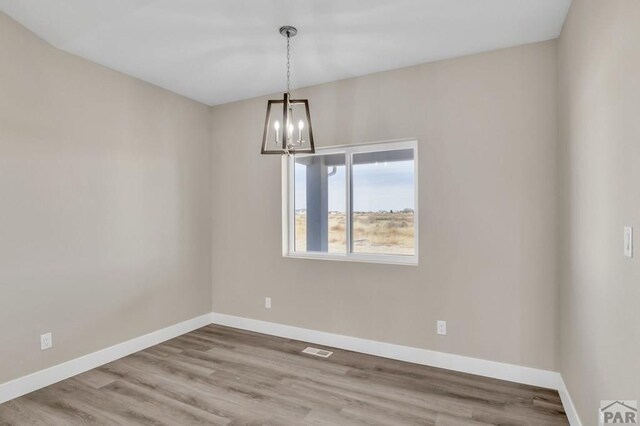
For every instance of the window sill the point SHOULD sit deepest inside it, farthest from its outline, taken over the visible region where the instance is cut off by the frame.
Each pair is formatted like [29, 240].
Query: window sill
[361, 258]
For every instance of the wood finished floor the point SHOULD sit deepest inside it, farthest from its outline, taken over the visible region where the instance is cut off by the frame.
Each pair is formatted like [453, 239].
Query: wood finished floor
[223, 376]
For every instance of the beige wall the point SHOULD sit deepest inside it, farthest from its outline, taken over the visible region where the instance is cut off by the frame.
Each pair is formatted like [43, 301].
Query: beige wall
[104, 205]
[599, 53]
[487, 131]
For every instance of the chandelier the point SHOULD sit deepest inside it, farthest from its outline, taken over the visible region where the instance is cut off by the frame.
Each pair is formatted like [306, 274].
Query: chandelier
[287, 126]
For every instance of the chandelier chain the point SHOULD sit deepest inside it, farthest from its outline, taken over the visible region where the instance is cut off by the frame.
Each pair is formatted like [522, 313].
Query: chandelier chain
[288, 62]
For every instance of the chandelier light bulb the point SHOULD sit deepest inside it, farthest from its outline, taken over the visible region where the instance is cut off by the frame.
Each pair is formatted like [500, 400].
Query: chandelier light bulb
[289, 135]
[276, 126]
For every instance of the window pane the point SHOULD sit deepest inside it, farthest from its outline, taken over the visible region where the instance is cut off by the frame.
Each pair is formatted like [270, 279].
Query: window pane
[320, 204]
[383, 202]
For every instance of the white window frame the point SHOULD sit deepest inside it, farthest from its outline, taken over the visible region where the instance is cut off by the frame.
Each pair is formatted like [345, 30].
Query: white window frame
[288, 205]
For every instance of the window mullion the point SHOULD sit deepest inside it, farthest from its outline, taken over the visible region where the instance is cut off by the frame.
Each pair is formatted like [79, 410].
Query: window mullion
[349, 200]
[291, 201]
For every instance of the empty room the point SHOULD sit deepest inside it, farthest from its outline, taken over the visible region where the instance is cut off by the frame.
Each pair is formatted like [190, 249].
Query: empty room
[319, 212]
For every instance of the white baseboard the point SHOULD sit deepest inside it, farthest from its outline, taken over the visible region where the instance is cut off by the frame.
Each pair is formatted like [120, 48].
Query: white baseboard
[49, 376]
[481, 367]
[567, 403]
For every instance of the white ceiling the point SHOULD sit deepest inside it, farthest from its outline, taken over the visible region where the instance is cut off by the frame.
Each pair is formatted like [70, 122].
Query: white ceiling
[218, 51]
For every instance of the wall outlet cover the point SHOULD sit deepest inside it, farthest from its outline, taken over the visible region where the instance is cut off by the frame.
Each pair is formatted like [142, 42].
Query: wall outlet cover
[46, 341]
[267, 302]
[441, 328]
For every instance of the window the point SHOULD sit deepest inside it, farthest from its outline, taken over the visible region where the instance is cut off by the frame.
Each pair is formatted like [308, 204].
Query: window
[353, 203]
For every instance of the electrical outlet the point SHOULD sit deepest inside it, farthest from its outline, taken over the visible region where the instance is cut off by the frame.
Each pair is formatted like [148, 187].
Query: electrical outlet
[267, 302]
[441, 327]
[628, 241]
[46, 341]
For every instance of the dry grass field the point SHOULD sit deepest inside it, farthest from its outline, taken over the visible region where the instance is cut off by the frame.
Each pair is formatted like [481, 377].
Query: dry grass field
[373, 232]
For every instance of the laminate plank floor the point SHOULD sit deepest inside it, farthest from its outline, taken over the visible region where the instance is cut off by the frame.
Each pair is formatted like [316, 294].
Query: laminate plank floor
[223, 376]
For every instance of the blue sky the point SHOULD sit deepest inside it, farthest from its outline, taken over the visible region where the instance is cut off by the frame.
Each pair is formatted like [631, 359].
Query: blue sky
[375, 187]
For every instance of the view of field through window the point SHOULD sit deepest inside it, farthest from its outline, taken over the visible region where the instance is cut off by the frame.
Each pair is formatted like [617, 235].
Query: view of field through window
[382, 203]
